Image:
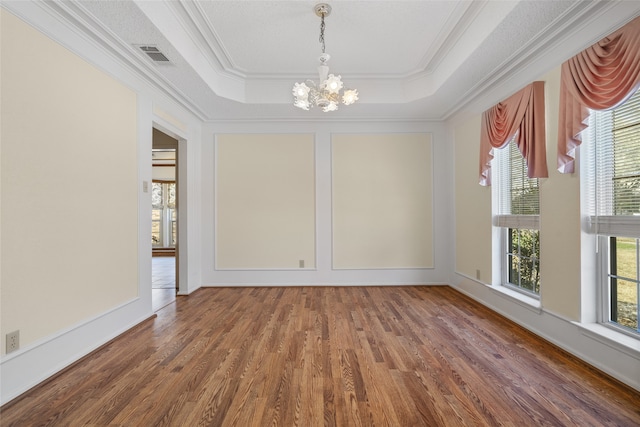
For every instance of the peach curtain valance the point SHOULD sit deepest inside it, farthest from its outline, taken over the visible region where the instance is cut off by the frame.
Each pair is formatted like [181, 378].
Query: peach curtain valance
[600, 77]
[521, 113]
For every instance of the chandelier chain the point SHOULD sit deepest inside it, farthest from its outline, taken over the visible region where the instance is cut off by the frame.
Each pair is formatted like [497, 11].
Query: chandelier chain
[321, 38]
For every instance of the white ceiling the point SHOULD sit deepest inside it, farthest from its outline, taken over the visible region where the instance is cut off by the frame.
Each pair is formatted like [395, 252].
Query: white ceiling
[410, 60]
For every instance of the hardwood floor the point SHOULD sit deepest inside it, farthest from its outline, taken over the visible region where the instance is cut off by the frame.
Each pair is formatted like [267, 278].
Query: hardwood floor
[160, 298]
[303, 356]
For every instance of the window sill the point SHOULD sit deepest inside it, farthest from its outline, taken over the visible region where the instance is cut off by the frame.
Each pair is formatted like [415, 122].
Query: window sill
[612, 338]
[531, 303]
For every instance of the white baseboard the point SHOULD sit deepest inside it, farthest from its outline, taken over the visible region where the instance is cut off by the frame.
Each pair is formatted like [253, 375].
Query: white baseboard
[31, 365]
[622, 362]
[286, 284]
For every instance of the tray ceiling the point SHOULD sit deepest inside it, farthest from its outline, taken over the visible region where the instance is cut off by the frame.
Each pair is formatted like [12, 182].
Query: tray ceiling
[410, 60]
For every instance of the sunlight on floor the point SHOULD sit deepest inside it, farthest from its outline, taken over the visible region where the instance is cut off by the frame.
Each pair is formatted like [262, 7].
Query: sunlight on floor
[163, 281]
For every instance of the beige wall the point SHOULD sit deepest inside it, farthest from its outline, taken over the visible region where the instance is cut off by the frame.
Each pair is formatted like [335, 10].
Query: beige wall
[559, 220]
[382, 200]
[265, 201]
[559, 215]
[472, 206]
[68, 224]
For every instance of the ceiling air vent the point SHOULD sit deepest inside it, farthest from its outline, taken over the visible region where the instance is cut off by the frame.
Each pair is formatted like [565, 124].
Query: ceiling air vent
[155, 54]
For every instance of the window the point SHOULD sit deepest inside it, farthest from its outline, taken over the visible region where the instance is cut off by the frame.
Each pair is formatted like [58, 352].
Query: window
[163, 214]
[623, 281]
[518, 210]
[613, 178]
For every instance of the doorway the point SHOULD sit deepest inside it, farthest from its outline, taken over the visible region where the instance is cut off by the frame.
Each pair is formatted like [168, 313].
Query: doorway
[164, 220]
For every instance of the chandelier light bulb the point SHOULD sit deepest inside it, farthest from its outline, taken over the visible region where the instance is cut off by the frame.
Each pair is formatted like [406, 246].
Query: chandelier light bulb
[350, 96]
[326, 94]
[333, 83]
[301, 91]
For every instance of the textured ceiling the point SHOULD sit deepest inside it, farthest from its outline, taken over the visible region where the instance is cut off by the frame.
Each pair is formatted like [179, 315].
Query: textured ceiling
[275, 37]
[410, 60]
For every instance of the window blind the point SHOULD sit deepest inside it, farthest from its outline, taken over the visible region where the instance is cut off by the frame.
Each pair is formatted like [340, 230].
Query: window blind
[519, 197]
[614, 170]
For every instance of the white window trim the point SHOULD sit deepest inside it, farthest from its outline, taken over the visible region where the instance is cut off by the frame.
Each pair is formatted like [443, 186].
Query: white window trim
[522, 299]
[602, 270]
[629, 345]
[602, 227]
[501, 225]
[165, 233]
[604, 298]
[504, 242]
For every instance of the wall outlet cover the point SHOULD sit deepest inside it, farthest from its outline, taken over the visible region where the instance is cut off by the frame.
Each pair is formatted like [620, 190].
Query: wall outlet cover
[13, 341]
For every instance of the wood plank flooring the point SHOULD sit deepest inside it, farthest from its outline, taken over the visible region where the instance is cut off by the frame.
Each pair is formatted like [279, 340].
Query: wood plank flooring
[313, 356]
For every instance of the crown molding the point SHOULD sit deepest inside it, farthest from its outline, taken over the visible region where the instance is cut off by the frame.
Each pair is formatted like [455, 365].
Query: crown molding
[196, 23]
[574, 27]
[174, 22]
[73, 26]
[191, 16]
[327, 118]
[451, 33]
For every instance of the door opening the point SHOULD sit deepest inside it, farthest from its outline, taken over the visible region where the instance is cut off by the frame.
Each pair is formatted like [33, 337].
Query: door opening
[164, 219]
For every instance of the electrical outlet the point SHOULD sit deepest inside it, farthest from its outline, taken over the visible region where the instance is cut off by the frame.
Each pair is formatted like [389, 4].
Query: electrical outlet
[478, 274]
[13, 341]
[301, 263]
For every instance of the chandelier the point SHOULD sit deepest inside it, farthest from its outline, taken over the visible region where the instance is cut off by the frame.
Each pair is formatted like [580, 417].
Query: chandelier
[327, 93]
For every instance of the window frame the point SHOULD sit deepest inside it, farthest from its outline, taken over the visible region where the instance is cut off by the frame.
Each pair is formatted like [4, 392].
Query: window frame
[603, 284]
[506, 271]
[166, 221]
[605, 227]
[504, 223]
